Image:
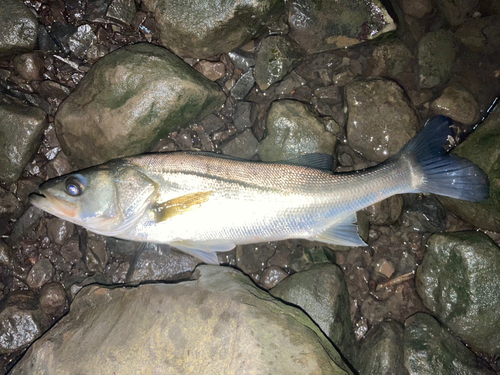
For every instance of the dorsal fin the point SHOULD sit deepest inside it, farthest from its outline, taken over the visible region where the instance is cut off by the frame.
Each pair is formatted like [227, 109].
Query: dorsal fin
[316, 160]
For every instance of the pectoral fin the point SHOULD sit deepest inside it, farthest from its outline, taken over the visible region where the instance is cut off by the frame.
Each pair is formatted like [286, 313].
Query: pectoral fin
[343, 233]
[180, 205]
[204, 250]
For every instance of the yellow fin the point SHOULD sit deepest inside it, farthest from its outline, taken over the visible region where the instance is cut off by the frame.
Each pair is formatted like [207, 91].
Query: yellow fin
[180, 205]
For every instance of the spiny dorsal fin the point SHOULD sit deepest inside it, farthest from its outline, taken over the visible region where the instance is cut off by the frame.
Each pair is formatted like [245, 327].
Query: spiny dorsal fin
[180, 205]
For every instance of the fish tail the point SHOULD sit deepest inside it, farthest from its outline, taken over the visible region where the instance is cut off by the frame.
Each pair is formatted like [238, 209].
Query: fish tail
[440, 172]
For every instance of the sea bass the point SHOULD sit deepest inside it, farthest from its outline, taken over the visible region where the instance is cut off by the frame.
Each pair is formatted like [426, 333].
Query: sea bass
[202, 203]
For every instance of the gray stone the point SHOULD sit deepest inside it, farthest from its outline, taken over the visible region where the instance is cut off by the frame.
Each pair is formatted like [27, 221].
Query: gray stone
[242, 146]
[458, 282]
[10, 207]
[243, 86]
[319, 26]
[19, 27]
[481, 34]
[130, 99]
[385, 212]
[70, 250]
[21, 322]
[25, 225]
[242, 61]
[322, 293]
[272, 276]
[456, 11]
[7, 255]
[53, 300]
[122, 10]
[293, 130]
[382, 350]
[416, 8]
[21, 128]
[391, 58]
[244, 115]
[381, 120]
[80, 41]
[190, 328]
[59, 230]
[94, 250]
[481, 147]
[29, 66]
[431, 349]
[436, 58]
[159, 262]
[457, 103]
[277, 57]
[41, 273]
[423, 214]
[201, 28]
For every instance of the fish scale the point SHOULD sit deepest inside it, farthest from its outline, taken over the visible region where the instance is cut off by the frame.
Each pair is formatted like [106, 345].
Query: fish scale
[202, 203]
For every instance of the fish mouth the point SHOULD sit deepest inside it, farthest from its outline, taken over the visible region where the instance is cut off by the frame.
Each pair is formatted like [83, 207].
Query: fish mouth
[53, 205]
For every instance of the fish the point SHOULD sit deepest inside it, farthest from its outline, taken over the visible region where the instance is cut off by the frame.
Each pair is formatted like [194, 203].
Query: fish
[203, 203]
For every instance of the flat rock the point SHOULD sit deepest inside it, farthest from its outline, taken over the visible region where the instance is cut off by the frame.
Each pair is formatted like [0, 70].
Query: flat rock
[458, 282]
[129, 100]
[202, 28]
[381, 120]
[323, 25]
[457, 103]
[293, 130]
[19, 27]
[218, 323]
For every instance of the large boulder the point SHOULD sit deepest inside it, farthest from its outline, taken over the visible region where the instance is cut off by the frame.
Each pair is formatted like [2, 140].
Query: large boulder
[218, 323]
[19, 27]
[129, 100]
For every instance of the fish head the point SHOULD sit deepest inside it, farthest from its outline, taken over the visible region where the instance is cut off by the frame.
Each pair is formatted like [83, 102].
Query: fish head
[106, 199]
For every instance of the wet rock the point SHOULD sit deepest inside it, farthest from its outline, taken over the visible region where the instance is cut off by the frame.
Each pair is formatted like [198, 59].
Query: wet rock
[416, 8]
[41, 273]
[458, 282]
[201, 29]
[242, 61]
[129, 100]
[431, 349]
[252, 259]
[391, 58]
[293, 130]
[19, 27]
[95, 52]
[272, 276]
[21, 321]
[59, 166]
[10, 207]
[122, 10]
[29, 66]
[94, 250]
[277, 57]
[243, 86]
[319, 26]
[322, 293]
[481, 147]
[384, 267]
[310, 255]
[6, 254]
[81, 40]
[382, 350]
[53, 300]
[436, 57]
[25, 225]
[59, 230]
[244, 115]
[380, 120]
[61, 33]
[423, 214]
[221, 303]
[385, 212]
[457, 103]
[76, 283]
[21, 129]
[456, 11]
[481, 34]
[45, 42]
[420, 97]
[160, 262]
[70, 250]
[243, 146]
[210, 69]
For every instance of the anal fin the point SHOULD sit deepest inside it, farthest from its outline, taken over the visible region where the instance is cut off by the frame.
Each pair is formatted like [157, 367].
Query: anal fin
[204, 250]
[344, 233]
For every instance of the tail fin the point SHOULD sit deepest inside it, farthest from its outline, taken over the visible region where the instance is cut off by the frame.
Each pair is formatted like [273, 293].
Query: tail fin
[445, 174]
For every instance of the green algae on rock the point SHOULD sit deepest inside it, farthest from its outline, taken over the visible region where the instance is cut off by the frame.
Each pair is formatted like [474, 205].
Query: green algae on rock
[129, 100]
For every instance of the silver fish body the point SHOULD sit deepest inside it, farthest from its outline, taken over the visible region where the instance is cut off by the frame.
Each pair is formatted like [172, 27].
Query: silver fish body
[202, 203]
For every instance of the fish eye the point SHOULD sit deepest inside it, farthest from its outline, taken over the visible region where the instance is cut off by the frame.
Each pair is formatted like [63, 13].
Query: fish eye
[75, 185]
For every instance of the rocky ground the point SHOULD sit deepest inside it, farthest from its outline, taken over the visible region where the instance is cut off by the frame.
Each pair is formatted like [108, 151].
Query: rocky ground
[285, 84]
